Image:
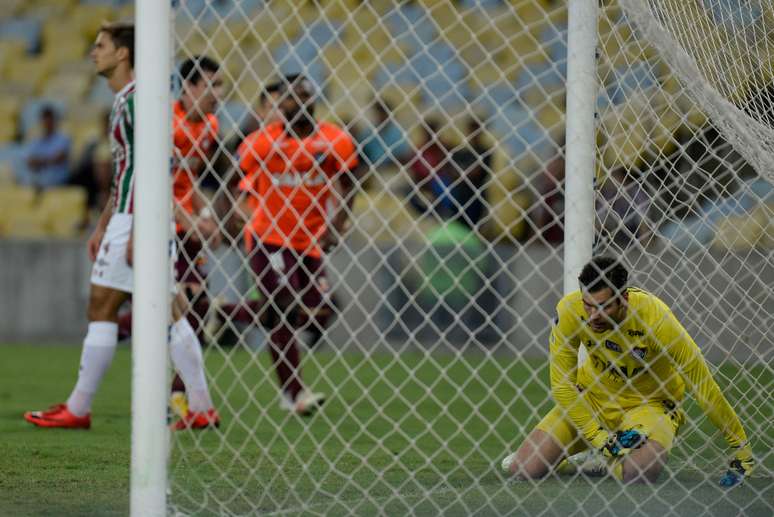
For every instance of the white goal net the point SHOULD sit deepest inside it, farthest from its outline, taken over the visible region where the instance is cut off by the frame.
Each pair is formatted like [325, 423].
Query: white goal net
[443, 288]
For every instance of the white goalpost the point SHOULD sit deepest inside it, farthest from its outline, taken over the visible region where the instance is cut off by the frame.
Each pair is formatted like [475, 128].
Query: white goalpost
[501, 144]
[151, 299]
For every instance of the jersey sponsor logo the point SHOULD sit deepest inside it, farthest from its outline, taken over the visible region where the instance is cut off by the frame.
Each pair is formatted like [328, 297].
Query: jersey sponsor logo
[639, 353]
[635, 333]
[610, 345]
[617, 372]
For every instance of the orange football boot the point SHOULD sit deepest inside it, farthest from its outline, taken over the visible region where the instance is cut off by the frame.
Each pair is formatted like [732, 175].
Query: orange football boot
[58, 416]
[194, 420]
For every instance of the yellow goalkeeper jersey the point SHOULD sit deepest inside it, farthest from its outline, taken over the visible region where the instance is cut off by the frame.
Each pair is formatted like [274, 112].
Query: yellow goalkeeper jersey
[649, 356]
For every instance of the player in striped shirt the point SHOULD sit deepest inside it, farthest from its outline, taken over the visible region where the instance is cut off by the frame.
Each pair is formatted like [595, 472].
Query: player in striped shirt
[110, 247]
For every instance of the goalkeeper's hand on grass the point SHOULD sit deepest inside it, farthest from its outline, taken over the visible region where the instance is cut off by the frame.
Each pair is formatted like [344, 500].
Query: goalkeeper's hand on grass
[620, 443]
[739, 468]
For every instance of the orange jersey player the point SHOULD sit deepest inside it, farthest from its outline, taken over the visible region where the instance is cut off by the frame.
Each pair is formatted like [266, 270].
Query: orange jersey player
[195, 132]
[297, 174]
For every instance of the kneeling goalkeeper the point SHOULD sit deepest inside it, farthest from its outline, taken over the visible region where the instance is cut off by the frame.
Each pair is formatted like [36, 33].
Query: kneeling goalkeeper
[624, 401]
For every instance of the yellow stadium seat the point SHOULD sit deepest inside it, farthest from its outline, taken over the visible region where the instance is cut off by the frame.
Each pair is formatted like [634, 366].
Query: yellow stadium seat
[68, 88]
[742, 233]
[9, 107]
[8, 132]
[6, 175]
[508, 202]
[58, 9]
[14, 200]
[88, 18]
[31, 72]
[12, 50]
[72, 49]
[64, 210]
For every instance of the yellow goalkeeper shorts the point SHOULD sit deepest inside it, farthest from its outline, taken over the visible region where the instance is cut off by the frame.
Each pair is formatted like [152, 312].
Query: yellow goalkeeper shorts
[659, 420]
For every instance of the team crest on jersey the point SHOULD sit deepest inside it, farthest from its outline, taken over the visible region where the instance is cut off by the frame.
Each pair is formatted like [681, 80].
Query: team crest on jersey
[639, 353]
[610, 345]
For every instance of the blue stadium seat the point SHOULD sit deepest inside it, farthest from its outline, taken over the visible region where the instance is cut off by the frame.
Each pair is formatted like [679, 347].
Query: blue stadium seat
[25, 29]
[625, 80]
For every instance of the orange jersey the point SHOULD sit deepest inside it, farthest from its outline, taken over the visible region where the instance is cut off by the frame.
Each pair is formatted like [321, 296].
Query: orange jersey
[291, 180]
[192, 139]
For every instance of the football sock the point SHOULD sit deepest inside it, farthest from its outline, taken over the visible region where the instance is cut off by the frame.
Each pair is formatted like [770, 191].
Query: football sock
[99, 347]
[186, 353]
[287, 360]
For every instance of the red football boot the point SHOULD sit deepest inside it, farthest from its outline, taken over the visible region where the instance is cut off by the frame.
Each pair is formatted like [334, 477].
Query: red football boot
[58, 416]
[194, 420]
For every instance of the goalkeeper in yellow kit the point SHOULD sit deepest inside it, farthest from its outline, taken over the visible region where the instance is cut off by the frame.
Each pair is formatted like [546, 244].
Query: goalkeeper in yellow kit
[625, 400]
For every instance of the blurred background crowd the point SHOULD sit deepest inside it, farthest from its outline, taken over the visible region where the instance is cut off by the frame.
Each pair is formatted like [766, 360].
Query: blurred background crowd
[458, 111]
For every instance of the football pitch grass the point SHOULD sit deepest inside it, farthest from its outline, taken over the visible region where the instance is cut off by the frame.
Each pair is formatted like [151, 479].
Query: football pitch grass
[380, 445]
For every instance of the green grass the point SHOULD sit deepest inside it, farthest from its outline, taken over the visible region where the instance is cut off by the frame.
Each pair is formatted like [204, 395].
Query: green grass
[380, 445]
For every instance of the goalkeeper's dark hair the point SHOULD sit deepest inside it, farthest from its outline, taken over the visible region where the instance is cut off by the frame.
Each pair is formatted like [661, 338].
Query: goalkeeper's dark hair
[193, 68]
[603, 272]
[122, 35]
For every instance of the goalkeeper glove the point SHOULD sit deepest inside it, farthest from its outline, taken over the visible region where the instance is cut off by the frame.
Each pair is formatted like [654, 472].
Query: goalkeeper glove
[614, 445]
[740, 467]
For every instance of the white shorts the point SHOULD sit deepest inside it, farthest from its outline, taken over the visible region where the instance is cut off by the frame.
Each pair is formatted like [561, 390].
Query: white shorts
[111, 268]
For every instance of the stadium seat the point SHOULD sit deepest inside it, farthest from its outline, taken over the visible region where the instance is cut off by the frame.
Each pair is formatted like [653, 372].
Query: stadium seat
[11, 50]
[87, 18]
[25, 29]
[70, 89]
[6, 174]
[43, 9]
[64, 210]
[508, 202]
[15, 203]
[31, 72]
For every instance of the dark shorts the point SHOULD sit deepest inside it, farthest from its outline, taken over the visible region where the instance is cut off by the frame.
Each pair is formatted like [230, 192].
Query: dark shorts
[291, 281]
[188, 261]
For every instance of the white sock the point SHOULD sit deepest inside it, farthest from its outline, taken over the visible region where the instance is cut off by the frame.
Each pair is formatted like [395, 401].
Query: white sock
[186, 353]
[99, 347]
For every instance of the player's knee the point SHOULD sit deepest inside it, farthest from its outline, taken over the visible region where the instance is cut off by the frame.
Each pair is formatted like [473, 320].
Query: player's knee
[103, 305]
[531, 462]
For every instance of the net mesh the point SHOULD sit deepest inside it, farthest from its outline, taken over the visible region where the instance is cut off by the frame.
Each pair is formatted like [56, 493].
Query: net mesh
[444, 288]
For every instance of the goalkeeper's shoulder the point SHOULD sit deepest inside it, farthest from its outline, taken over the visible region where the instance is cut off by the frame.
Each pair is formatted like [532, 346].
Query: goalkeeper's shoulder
[570, 304]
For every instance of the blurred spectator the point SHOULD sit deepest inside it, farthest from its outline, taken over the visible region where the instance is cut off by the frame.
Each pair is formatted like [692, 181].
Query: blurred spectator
[429, 191]
[548, 212]
[470, 175]
[385, 143]
[92, 171]
[48, 156]
[622, 206]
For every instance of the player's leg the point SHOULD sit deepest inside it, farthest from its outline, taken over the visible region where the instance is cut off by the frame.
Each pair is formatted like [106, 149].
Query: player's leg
[552, 440]
[111, 283]
[318, 306]
[186, 353]
[659, 422]
[274, 269]
[99, 347]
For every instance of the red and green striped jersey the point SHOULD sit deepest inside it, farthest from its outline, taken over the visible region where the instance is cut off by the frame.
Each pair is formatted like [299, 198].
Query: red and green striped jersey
[122, 149]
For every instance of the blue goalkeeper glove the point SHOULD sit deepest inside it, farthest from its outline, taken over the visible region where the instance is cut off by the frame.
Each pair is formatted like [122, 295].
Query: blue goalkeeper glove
[740, 467]
[618, 444]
